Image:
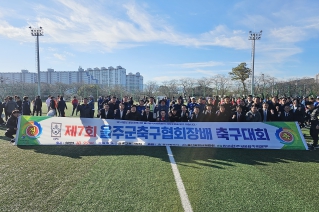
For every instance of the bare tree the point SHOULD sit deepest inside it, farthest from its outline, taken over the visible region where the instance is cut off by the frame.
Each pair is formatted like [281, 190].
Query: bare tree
[150, 88]
[187, 86]
[169, 88]
[204, 84]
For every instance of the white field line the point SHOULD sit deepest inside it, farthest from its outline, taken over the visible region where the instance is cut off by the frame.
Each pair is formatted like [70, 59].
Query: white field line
[179, 182]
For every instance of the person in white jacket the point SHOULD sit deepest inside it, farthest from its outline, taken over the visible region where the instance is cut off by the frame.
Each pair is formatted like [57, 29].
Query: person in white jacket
[48, 102]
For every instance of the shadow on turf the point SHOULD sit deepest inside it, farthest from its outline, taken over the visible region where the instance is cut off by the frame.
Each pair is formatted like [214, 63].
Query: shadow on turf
[224, 158]
[192, 157]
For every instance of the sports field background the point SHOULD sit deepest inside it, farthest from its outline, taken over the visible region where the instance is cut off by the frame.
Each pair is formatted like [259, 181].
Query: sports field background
[131, 178]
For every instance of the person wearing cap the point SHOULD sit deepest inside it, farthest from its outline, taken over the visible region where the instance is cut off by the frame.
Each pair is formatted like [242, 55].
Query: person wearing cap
[313, 113]
[12, 125]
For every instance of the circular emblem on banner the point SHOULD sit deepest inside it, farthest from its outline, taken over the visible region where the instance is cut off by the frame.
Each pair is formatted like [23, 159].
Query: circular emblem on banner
[285, 136]
[33, 130]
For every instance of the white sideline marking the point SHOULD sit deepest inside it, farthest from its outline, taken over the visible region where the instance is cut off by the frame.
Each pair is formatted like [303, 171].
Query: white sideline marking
[179, 182]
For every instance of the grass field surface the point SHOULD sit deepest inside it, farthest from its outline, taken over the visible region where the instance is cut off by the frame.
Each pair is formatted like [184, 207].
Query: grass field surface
[131, 178]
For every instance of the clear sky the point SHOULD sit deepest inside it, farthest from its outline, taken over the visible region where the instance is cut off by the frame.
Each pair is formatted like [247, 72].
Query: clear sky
[162, 39]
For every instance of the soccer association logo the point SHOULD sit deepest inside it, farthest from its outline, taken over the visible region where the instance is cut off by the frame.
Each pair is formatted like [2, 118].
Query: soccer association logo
[33, 129]
[285, 136]
[56, 129]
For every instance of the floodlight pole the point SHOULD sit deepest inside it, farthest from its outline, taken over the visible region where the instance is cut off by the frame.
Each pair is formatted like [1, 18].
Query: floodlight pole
[253, 36]
[37, 32]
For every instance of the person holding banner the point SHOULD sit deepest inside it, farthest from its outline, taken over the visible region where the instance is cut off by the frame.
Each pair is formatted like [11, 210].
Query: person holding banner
[12, 125]
[313, 114]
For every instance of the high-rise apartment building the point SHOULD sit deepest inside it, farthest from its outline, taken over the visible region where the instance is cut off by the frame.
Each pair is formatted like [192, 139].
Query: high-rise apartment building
[103, 76]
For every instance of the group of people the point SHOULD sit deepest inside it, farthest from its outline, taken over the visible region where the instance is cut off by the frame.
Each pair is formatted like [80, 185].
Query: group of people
[305, 110]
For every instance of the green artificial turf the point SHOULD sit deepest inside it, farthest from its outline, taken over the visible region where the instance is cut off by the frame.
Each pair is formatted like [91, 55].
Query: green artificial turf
[249, 180]
[130, 178]
[86, 178]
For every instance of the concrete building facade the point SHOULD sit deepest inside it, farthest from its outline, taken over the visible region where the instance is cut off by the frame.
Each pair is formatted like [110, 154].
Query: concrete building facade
[102, 76]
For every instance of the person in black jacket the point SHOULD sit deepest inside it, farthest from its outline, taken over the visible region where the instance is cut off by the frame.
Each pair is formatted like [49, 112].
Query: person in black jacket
[132, 114]
[196, 115]
[209, 114]
[38, 106]
[266, 114]
[84, 109]
[313, 113]
[19, 103]
[285, 115]
[184, 114]
[26, 111]
[62, 106]
[1, 111]
[173, 116]
[147, 115]
[120, 113]
[12, 124]
[105, 113]
[238, 116]
[53, 105]
[221, 115]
